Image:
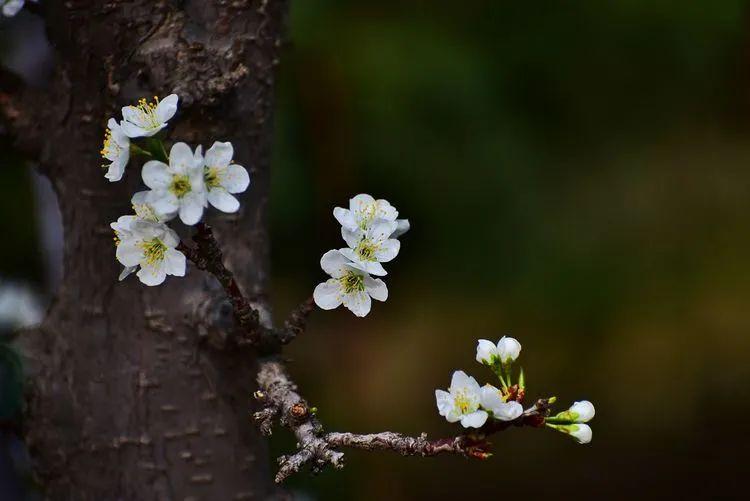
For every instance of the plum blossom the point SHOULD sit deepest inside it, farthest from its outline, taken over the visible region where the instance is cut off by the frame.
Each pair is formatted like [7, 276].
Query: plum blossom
[348, 285]
[179, 186]
[116, 149]
[150, 246]
[493, 401]
[368, 248]
[147, 119]
[222, 177]
[364, 210]
[462, 401]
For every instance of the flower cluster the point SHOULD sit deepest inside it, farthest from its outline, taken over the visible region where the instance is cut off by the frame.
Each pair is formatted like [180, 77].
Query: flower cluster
[181, 184]
[472, 405]
[12, 7]
[370, 229]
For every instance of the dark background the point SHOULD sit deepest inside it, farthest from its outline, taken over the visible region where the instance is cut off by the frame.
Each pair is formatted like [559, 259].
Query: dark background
[576, 174]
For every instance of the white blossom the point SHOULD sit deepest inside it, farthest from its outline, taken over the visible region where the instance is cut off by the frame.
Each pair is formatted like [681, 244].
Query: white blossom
[116, 149]
[144, 209]
[462, 401]
[492, 401]
[368, 248]
[222, 177]
[150, 246]
[363, 211]
[146, 119]
[177, 187]
[12, 7]
[581, 432]
[348, 285]
[505, 351]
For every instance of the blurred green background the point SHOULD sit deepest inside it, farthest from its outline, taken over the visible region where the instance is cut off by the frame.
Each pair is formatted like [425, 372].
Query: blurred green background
[577, 176]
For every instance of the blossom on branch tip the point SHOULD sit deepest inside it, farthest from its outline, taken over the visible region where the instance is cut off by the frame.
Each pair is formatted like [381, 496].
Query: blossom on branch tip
[462, 401]
[179, 186]
[146, 119]
[150, 246]
[363, 211]
[222, 177]
[368, 248]
[348, 285]
[493, 401]
[116, 149]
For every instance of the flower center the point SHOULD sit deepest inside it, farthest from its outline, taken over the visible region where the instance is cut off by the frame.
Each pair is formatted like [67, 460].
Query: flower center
[464, 403]
[180, 185]
[145, 212]
[352, 282]
[366, 249]
[367, 213]
[212, 177]
[147, 113]
[153, 250]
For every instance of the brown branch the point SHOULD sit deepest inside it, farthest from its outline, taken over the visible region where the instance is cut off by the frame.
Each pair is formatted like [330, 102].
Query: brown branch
[280, 400]
[207, 256]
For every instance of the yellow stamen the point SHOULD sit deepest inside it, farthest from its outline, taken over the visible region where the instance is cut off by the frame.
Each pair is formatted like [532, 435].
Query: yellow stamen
[153, 250]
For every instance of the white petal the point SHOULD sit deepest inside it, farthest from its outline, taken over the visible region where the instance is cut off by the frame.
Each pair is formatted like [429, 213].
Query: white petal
[360, 201]
[376, 288]
[191, 208]
[12, 7]
[402, 226]
[474, 420]
[181, 159]
[386, 211]
[166, 108]
[334, 263]
[460, 380]
[374, 268]
[115, 171]
[236, 179]
[507, 411]
[156, 175]
[169, 237]
[345, 217]
[175, 263]
[219, 198]
[388, 250]
[219, 155]
[152, 275]
[133, 131]
[129, 254]
[381, 230]
[351, 237]
[327, 295]
[444, 402]
[358, 303]
[132, 117]
[164, 202]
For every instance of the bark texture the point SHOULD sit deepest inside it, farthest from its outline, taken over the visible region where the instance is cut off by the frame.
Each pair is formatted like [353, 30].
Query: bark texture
[125, 404]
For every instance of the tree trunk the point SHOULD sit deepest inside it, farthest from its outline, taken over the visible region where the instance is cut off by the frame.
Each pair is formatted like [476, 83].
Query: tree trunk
[127, 402]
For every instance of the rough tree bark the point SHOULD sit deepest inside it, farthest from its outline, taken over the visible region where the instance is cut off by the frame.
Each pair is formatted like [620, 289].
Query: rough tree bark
[124, 404]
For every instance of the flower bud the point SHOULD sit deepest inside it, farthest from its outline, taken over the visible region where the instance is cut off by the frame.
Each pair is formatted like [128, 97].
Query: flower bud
[486, 352]
[580, 432]
[582, 412]
[508, 349]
